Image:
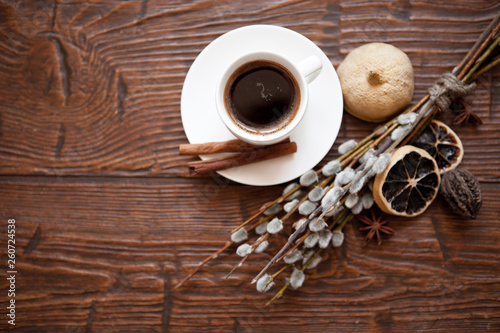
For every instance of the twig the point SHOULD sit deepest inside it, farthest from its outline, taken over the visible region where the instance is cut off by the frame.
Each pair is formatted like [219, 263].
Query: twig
[483, 41]
[481, 59]
[254, 246]
[290, 240]
[277, 295]
[265, 207]
[493, 63]
[303, 268]
[194, 271]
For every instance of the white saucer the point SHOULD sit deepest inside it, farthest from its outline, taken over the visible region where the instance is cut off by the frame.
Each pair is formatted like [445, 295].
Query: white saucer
[315, 134]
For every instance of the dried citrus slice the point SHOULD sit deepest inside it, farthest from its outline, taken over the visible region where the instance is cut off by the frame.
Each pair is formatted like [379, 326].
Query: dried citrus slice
[409, 183]
[442, 144]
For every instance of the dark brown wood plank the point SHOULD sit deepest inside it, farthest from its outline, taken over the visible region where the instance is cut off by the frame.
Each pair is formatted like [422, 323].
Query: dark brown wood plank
[95, 254]
[95, 89]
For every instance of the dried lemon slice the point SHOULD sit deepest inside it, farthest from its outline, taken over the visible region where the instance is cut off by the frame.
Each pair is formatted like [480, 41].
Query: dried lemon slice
[409, 183]
[442, 144]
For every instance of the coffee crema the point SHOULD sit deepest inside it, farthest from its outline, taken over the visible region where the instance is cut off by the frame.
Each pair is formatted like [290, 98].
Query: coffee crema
[262, 96]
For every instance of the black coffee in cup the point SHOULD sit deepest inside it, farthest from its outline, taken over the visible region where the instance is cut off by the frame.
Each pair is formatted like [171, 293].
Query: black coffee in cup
[262, 96]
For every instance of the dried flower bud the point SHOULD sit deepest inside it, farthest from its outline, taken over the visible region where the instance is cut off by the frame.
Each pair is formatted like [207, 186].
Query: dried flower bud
[293, 256]
[317, 225]
[306, 208]
[357, 208]
[297, 279]
[344, 177]
[261, 228]
[239, 235]
[274, 209]
[370, 163]
[243, 250]
[264, 283]
[351, 200]
[316, 194]
[261, 247]
[462, 192]
[381, 163]
[325, 236]
[399, 132]
[299, 223]
[369, 153]
[311, 240]
[335, 211]
[371, 160]
[367, 200]
[407, 118]
[357, 185]
[314, 262]
[308, 178]
[331, 168]
[347, 146]
[289, 188]
[337, 238]
[331, 196]
[275, 226]
[307, 255]
[296, 195]
[290, 205]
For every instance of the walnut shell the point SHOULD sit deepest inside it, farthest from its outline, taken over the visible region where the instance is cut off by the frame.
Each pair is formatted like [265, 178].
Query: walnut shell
[462, 192]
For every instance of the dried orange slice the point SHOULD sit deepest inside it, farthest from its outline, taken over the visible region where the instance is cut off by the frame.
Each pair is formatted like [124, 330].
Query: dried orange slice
[409, 183]
[442, 144]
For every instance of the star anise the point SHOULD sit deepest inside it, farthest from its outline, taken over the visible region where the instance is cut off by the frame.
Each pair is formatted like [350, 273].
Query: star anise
[375, 225]
[463, 113]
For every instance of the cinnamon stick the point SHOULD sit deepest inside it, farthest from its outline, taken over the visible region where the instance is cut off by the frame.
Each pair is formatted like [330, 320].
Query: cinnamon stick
[252, 156]
[231, 146]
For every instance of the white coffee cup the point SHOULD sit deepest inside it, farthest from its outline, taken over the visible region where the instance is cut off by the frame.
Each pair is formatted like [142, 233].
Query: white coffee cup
[301, 73]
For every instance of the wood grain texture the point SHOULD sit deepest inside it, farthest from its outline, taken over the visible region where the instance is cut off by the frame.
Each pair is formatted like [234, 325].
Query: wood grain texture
[108, 222]
[107, 253]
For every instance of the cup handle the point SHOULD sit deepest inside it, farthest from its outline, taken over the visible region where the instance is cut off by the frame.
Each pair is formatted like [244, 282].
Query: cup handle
[309, 66]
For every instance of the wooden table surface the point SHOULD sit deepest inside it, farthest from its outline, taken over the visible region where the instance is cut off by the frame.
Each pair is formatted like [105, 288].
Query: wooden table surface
[107, 220]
